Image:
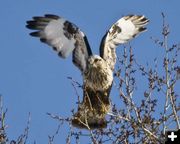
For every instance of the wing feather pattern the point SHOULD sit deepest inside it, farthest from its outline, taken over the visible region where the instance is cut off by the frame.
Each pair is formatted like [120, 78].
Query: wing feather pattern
[63, 36]
[121, 32]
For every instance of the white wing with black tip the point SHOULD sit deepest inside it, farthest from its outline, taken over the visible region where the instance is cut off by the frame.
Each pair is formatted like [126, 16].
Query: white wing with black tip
[63, 36]
[121, 32]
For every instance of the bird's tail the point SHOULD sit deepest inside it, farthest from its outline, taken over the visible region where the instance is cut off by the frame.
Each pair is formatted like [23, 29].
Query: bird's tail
[92, 112]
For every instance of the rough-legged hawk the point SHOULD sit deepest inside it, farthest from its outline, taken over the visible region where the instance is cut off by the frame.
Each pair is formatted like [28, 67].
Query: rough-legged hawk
[97, 70]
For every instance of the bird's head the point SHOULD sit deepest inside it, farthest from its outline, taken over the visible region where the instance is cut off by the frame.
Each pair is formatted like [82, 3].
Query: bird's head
[95, 61]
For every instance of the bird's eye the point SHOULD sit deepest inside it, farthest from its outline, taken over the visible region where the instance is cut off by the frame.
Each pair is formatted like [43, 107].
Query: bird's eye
[96, 60]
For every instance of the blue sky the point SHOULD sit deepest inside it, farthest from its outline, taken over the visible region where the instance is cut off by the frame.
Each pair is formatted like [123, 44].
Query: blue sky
[34, 79]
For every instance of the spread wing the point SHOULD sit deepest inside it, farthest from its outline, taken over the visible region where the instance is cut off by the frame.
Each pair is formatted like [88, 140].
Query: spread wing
[63, 36]
[121, 32]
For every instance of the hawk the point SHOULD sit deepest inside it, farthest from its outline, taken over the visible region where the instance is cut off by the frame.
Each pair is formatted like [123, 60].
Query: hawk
[97, 70]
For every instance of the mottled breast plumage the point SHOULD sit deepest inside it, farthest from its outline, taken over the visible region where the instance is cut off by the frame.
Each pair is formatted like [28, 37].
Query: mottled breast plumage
[98, 75]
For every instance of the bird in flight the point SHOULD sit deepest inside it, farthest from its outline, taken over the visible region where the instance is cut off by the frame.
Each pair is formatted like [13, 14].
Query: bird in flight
[97, 70]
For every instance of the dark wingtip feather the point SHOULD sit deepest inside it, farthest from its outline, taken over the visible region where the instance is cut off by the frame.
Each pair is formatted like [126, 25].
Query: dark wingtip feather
[141, 29]
[61, 54]
[29, 26]
[41, 19]
[52, 16]
[29, 21]
[145, 20]
[37, 17]
[35, 34]
[35, 27]
[43, 40]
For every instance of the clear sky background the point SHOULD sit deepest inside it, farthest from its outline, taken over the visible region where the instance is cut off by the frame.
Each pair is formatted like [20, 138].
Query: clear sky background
[34, 79]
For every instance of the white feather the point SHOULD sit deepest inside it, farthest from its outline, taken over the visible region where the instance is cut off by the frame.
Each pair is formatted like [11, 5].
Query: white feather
[121, 32]
[54, 34]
